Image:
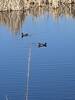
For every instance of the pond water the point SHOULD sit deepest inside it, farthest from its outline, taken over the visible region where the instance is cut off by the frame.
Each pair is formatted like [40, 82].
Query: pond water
[29, 72]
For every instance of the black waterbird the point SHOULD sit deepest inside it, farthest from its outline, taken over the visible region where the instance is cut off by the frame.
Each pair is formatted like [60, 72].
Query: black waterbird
[42, 44]
[24, 34]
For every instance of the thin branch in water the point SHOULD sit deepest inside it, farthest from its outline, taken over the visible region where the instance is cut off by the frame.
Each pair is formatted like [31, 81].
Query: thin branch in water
[28, 73]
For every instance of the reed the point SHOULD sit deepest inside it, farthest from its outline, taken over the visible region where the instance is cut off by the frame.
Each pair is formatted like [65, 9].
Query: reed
[26, 4]
[15, 19]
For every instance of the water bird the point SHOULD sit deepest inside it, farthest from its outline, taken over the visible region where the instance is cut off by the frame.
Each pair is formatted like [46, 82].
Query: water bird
[24, 34]
[42, 44]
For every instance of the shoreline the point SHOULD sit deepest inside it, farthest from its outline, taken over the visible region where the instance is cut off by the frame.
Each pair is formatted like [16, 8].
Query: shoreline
[14, 19]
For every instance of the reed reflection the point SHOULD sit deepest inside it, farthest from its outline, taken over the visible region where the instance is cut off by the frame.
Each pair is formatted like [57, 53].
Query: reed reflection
[15, 19]
[12, 19]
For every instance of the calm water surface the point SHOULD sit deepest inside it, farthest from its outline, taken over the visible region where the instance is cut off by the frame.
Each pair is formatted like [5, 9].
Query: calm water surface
[52, 68]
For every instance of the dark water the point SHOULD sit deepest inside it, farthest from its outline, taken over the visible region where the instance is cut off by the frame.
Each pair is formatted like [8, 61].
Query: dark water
[52, 68]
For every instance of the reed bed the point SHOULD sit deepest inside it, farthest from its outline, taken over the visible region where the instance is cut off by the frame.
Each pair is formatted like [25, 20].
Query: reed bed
[26, 4]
